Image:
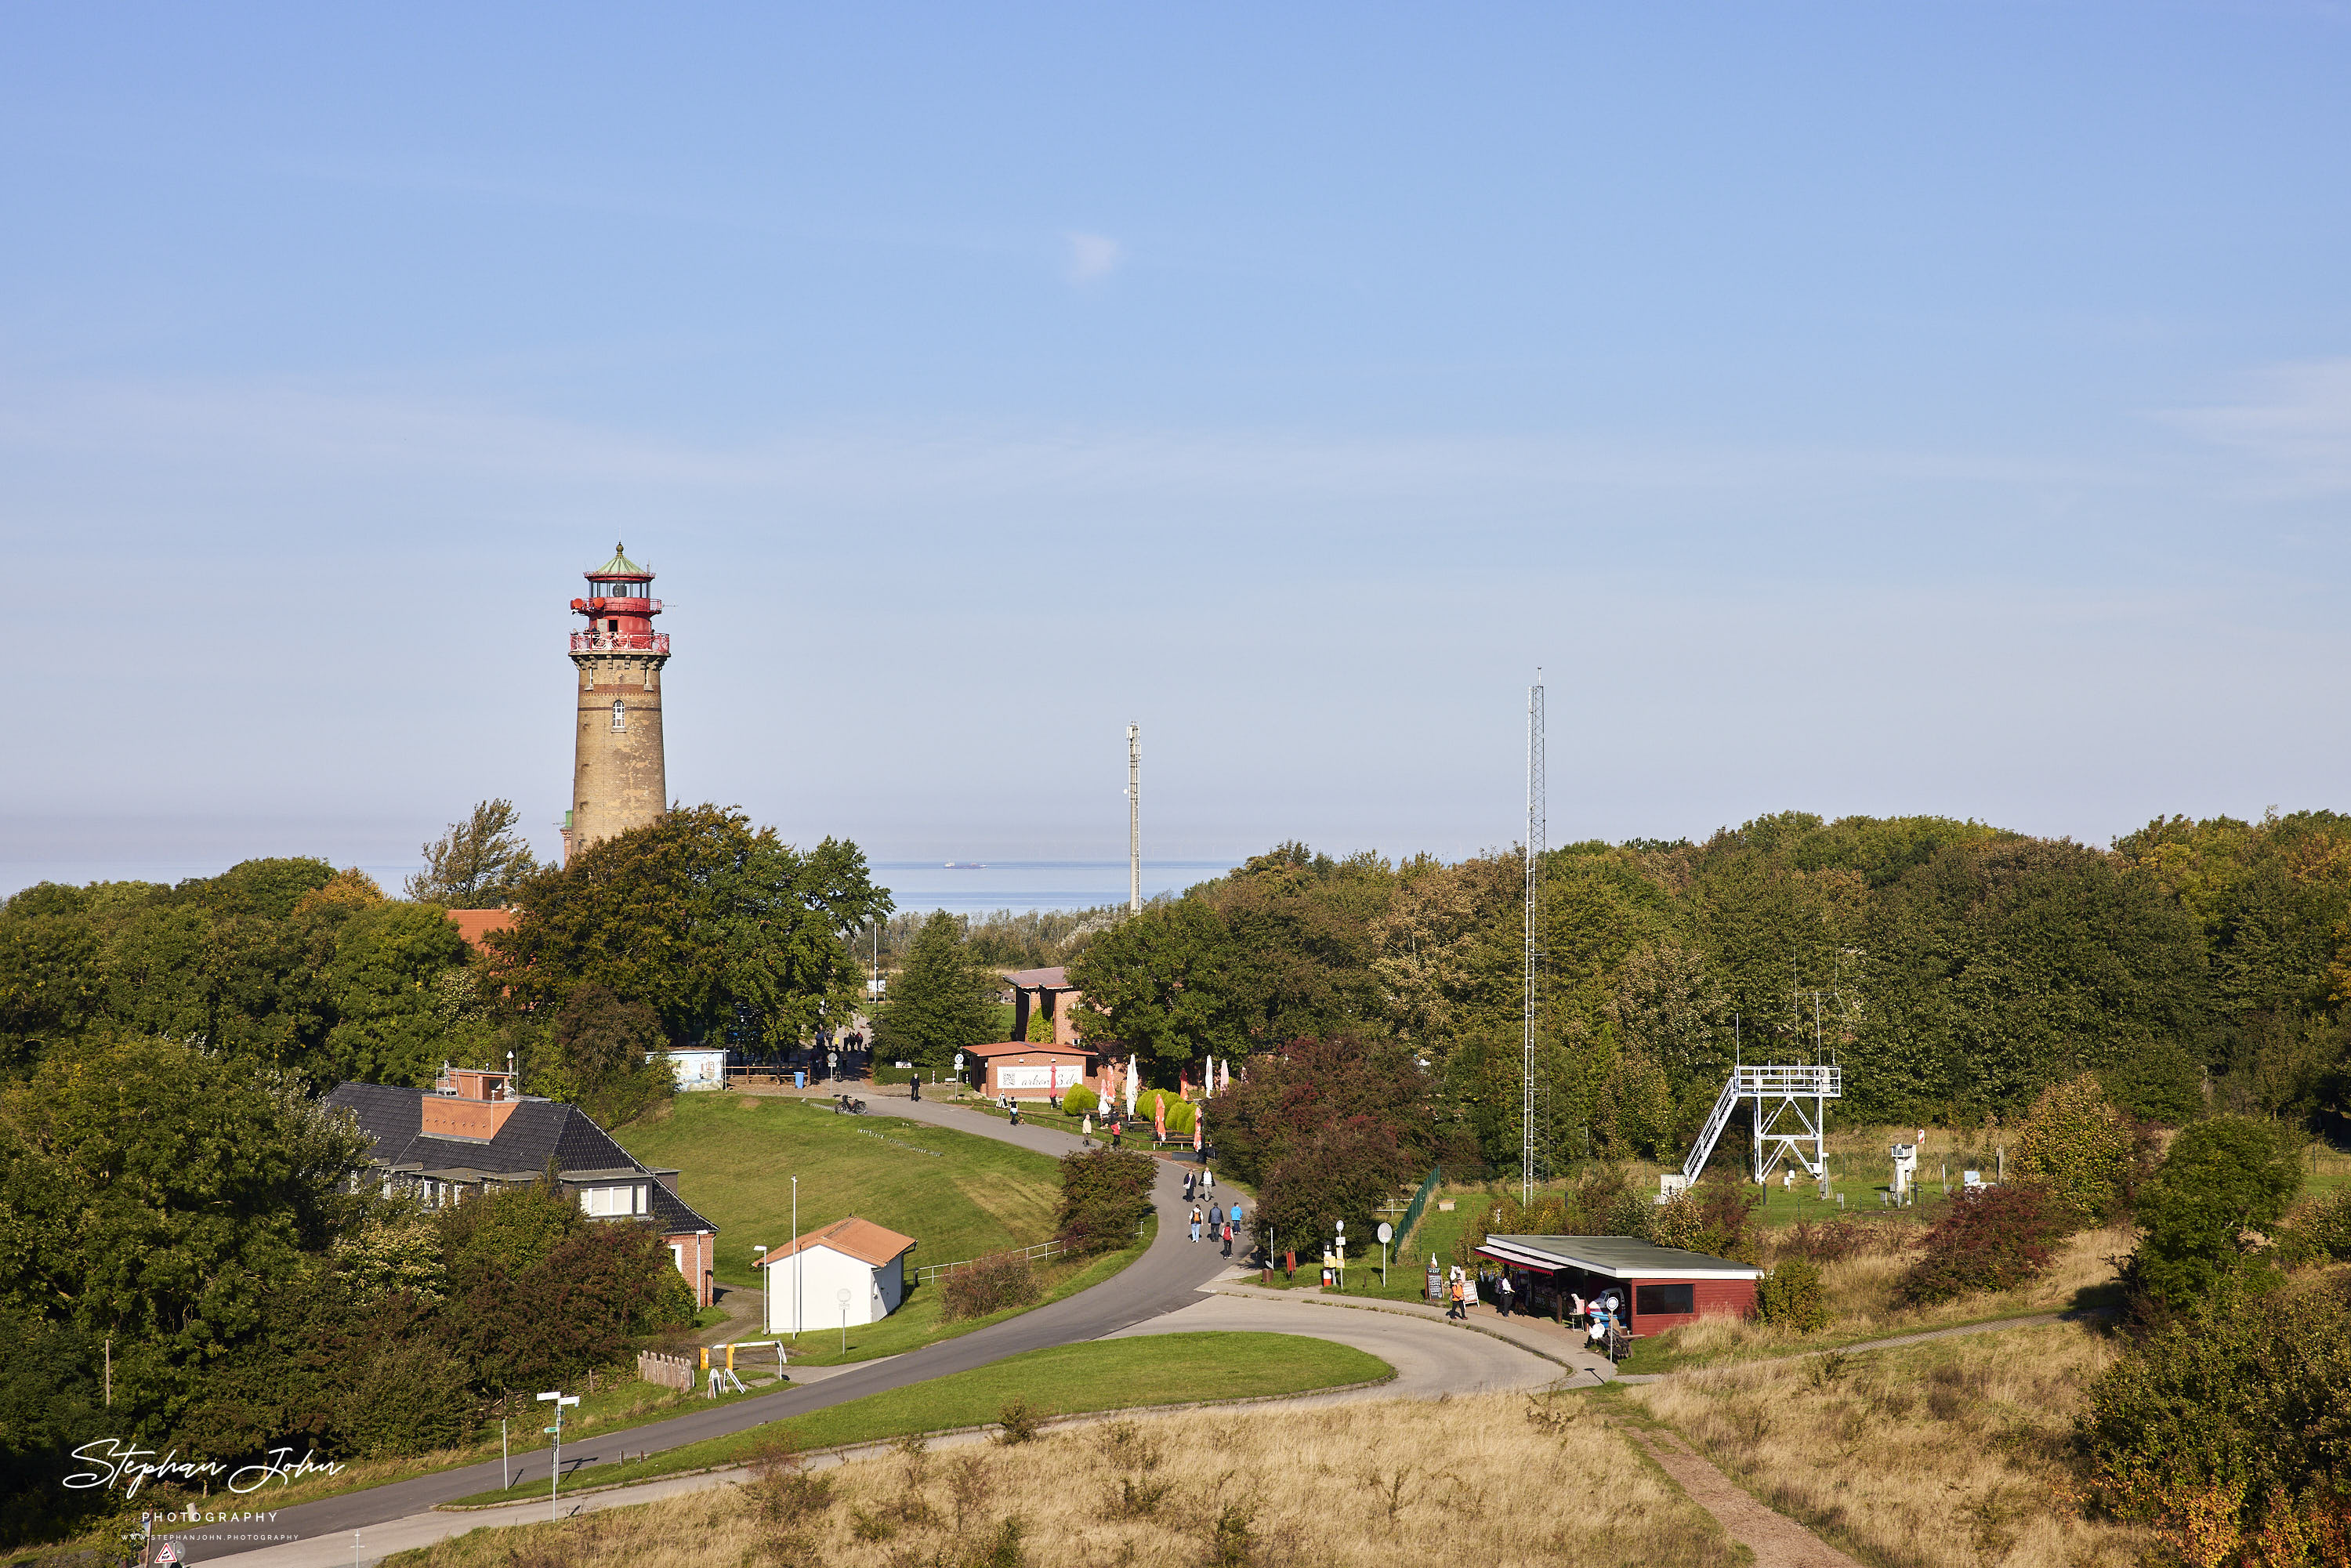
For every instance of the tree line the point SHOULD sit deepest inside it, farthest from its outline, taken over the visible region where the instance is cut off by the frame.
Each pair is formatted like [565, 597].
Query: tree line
[1955, 969]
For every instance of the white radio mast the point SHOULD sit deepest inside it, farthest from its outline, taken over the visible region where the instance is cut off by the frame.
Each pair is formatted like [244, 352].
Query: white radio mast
[1135, 818]
[1535, 827]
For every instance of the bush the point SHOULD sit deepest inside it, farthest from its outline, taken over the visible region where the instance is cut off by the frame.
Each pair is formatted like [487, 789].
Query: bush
[410, 1398]
[2224, 1180]
[1717, 1218]
[1344, 1172]
[1835, 1240]
[990, 1285]
[2323, 1229]
[1996, 1239]
[1791, 1297]
[2079, 1147]
[1180, 1112]
[1105, 1193]
[1079, 1100]
[2227, 1419]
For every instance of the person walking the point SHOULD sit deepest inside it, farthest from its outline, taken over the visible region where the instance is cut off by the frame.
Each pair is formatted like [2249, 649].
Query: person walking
[1502, 1294]
[1188, 1186]
[1228, 1237]
[1196, 1222]
[1215, 1219]
[1208, 1180]
[1454, 1308]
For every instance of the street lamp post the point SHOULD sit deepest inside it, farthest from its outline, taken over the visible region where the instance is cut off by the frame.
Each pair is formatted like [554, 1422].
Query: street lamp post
[842, 1295]
[555, 1472]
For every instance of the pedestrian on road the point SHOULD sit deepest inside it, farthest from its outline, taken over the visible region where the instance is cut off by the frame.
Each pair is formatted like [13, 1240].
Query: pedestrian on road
[1196, 1222]
[1188, 1186]
[1208, 1181]
[1228, 1237]
[1215, 1219]
[1502, 1294]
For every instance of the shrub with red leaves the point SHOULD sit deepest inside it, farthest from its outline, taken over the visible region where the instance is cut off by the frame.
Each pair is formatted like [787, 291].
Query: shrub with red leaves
[1995, 1240]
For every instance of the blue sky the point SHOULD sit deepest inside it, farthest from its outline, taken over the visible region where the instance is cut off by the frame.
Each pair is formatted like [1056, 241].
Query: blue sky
[1855, 407]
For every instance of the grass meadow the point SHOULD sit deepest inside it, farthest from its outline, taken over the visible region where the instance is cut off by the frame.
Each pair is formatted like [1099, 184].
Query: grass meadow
[1945, 1454]
[959, 1196]
[1363, 1484]
[1065, 1380]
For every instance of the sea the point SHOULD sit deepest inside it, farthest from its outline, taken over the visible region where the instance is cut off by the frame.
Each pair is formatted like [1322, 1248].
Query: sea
[982, 887]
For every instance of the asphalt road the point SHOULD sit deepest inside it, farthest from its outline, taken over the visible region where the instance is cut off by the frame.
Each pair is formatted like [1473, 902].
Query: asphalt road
[1164, 1279]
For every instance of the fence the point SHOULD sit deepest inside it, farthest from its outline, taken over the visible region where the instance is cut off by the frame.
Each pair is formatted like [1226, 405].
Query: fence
[668, 1371]
[1037, 1254]
[1411, 1210]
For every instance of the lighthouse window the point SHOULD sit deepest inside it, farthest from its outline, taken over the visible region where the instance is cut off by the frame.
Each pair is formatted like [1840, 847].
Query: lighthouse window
[620, 714]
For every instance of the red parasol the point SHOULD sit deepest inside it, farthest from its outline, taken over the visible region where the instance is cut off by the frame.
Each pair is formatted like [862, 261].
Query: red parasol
[1159, 1119]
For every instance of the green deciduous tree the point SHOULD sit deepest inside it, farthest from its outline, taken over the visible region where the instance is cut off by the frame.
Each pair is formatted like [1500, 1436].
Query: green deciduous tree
[151, 1191]
[479, 864]
[2222, 1182]
[2079, 1147]
[941, 1001]
[598, 1058]
[1163, 985]
[713, 923]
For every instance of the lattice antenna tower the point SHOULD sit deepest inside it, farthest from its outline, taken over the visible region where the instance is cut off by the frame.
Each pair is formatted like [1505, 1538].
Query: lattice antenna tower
[1533, 945]
[1135, 818]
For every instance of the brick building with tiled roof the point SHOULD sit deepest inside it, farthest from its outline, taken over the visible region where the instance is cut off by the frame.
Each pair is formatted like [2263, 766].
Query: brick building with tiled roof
[471, 1134]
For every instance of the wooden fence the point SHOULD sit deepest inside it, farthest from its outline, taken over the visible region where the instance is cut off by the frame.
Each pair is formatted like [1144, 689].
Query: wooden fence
[668, 1371]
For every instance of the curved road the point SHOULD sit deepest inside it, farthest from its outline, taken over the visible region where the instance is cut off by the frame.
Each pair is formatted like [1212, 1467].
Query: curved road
[1166, 1278]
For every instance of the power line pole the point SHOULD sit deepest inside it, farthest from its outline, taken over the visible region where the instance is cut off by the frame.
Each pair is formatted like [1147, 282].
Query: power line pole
[1135, 818]
[1535, 827]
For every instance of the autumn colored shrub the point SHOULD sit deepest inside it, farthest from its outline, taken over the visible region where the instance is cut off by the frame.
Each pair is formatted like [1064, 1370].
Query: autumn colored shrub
[1994, 1239]
[2221, 1425]
[990, 1285]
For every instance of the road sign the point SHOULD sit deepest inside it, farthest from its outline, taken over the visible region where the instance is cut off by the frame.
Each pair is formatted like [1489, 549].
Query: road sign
[168, 1553]
[1387, 1233]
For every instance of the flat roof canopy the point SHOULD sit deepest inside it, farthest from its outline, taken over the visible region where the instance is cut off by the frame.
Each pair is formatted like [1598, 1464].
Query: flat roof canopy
[1614, 1258]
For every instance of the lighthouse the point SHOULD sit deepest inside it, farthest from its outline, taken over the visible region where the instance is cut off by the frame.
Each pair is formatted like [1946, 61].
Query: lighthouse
[619, 780]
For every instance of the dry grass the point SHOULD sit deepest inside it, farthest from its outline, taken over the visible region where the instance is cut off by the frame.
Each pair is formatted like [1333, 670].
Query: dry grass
[1355, 1484]
[1861, 1305]
[1950, 1455]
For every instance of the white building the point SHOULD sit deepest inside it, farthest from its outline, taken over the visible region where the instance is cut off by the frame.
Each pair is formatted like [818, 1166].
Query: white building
[855, 1256]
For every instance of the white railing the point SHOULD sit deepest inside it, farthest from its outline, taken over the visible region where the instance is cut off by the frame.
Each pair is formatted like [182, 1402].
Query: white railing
[1042, 1250]
[620, 642]
[1826, 1081]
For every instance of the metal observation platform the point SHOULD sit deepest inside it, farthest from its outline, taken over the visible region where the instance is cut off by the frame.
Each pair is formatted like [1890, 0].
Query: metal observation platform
[1791, 1112]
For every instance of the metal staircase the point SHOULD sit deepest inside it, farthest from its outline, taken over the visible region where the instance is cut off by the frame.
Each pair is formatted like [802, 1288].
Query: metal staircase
[1777, 1093]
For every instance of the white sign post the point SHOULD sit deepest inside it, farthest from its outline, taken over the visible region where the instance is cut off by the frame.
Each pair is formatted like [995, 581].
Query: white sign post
[555, 1475]
[842, 1295]
[1387, 1234]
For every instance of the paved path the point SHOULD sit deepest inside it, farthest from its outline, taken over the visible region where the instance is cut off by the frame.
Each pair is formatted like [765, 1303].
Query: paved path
[1166, 1277]
[1535, 1336]
[1428, 1360]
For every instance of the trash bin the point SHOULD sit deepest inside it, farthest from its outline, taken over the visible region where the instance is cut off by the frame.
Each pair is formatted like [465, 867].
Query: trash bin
[799, 1078]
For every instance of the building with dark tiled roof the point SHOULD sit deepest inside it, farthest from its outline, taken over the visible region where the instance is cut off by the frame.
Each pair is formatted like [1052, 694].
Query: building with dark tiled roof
[471, 1132]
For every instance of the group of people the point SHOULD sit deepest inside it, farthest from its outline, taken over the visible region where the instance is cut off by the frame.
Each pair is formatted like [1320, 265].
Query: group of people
[1221, 1223]
[1461, 1291]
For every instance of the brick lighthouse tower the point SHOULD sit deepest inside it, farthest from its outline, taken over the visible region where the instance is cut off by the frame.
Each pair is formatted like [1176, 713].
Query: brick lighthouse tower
[619, 780]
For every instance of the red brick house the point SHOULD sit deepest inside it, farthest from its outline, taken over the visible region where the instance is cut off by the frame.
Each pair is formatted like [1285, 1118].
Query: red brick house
[471, 1134]
[1661, 1287]
[1028, 1071]
[1047, 991]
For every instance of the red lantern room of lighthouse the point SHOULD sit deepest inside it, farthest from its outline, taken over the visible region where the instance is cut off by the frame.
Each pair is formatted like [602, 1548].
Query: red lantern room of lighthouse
[619, 780]
[619, 608]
